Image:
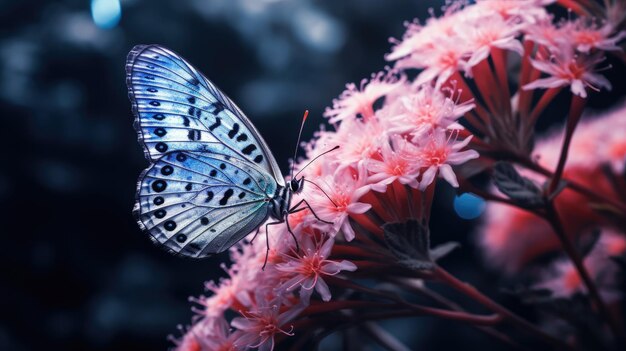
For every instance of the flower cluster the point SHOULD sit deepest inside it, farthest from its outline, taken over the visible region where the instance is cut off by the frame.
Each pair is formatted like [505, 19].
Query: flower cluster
[397, 136]
[512, 238]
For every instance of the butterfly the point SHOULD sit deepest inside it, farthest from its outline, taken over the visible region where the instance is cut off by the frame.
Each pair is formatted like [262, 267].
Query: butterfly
[212, 179]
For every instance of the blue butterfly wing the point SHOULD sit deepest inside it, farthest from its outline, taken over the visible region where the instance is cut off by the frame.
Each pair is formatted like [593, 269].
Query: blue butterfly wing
[211, 173]
[198, 204]
[177, 108]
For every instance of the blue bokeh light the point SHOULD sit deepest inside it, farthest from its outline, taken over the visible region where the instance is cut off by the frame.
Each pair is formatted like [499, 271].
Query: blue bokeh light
[469, 206]
[106, 14]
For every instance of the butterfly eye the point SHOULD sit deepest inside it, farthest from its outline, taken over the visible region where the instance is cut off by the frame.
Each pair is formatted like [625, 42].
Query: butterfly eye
[294, 185]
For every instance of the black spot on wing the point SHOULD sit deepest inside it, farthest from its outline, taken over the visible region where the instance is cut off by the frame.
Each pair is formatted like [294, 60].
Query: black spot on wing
[247, 181]
[159, 116]
[193, 134]
[181, 238]
[204, 221]
[213, 173]
[191, 99]
[158, 200]
[188, 187]
[169, 225]
[160, 213]
[161, 147]
[258, 159]
[218, 122]
[217, 107]
[155, 103]
[242, 137]
[209, 196]
[160, 132]
[227, 194]
[248, 149]
[159, 185]
[167, 170]
[181, 157]
[234, 131]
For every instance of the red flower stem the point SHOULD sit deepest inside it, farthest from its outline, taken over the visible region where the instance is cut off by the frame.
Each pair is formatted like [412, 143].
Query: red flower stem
[546, 98]
[401, 199]
[521, 323]
[575, 112]
[483, 77]
[525, 96]
[401, 303]
[427, 200]
[465, 89]
[552, 217]
[499, 61]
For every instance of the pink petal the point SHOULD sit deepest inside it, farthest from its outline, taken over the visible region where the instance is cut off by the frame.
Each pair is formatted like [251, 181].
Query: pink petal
[448, 174]
[358, 207]
[323, 290]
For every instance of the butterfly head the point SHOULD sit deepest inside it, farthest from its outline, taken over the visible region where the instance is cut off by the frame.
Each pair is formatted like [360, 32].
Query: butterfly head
[295, 185]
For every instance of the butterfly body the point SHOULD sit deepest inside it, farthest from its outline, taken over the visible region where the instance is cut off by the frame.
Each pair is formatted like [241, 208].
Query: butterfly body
[212, 179]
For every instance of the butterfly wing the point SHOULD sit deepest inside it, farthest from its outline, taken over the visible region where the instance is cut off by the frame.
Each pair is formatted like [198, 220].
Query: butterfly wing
[177, 108]
[211, 172]
[198, 204]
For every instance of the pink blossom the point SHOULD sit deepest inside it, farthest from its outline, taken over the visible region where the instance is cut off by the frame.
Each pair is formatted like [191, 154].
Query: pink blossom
[491, 32]
[438, 153]
[565, 68]
[307, 267]
[586, 35]
[262, 322]
[396, 162]
[428, 109]
[345, 187]
[220, 337]
[355, 101]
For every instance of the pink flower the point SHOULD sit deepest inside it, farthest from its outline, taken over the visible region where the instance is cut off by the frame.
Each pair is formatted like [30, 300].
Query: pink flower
[565, 68]
[439, 62]
[220, 337]
[491, 32]
[345, 187]
[364, 141]
[306, 268]
[359, 101]
[428, 109]
[262, 322]
[586, 35]
[438, 152]
[397, 162]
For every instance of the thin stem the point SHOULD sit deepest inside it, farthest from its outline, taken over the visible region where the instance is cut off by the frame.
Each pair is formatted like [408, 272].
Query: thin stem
[552, 217]
[575, 112]
[400, 302]
[472, 292]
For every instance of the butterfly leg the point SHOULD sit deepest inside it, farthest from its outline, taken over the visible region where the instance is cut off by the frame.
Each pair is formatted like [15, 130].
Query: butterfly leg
[292, 234]
[255, 235]
[295, 209]
[267, 241]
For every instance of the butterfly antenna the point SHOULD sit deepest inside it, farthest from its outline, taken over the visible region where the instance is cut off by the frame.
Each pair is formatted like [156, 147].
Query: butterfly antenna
[295, 153]
[319, 187]
[316, 157]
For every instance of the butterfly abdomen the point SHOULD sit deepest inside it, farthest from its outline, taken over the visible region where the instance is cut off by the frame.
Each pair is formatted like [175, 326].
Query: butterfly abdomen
[279, 204]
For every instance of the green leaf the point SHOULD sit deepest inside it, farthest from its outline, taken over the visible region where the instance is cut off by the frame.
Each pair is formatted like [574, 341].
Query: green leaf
[518, 188]
[410, 243]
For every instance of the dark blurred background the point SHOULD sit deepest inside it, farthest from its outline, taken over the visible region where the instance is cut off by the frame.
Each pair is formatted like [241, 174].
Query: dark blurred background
[76, 272]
